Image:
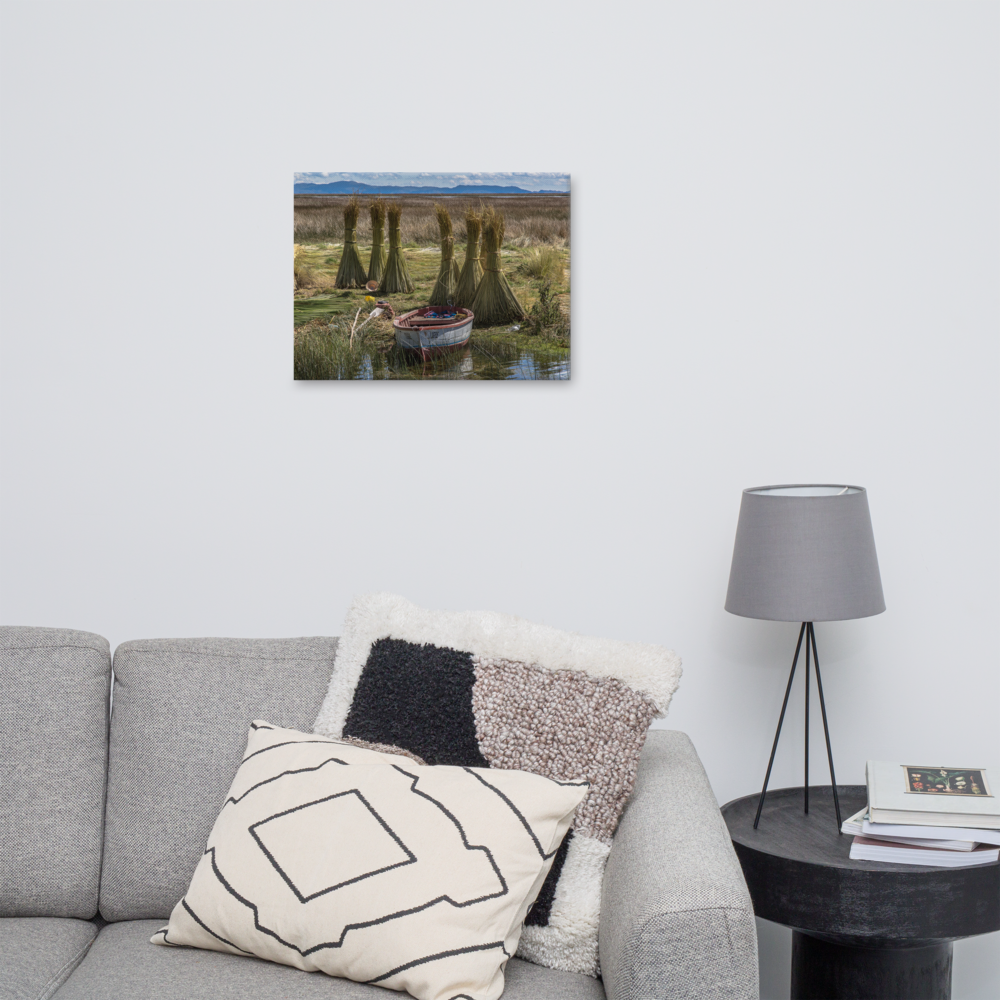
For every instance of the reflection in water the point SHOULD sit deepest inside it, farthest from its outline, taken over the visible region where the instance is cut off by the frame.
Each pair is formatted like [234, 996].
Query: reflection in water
[492, 359]
[455, 364]
[528, 366]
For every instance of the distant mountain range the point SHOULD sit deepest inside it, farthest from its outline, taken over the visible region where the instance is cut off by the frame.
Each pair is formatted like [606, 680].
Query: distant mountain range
[348, 187]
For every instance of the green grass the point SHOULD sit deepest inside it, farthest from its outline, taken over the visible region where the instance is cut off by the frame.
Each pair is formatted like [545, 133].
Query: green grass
[323, 351]
[423, 264]
[542, 263]
[323, 318]
[546, 318]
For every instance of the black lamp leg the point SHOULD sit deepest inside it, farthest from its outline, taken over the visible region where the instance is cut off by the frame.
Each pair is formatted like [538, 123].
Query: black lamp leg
[826, 728]
[805, 782]
[774, 746]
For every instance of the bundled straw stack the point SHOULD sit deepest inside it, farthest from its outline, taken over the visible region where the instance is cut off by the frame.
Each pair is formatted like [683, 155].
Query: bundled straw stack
[351, 273]
[472, 269]
[443, 293]
[454, 263]
[376, 264]
[495, 303]
[395, 278]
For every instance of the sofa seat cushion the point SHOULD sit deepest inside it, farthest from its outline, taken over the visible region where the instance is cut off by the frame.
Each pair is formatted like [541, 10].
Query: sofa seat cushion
[123, 965]
[181, 712]
[54, 720]
[38, 953]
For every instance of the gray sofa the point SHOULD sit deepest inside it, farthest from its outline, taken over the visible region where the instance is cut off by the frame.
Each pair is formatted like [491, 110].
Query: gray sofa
[106, 813]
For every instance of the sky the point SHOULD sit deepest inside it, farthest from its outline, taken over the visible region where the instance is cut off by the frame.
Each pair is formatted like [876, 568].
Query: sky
[538, 181]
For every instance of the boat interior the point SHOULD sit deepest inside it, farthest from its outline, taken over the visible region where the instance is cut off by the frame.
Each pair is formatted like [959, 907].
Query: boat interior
[429, 316]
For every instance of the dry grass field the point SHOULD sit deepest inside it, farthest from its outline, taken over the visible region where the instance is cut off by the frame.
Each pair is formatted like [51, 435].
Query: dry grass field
[531, 219]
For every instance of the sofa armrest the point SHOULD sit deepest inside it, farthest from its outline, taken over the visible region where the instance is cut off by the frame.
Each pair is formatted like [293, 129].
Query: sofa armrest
[676, 917]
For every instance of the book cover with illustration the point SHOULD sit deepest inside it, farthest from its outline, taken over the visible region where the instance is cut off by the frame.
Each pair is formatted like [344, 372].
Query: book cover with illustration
[931, 796]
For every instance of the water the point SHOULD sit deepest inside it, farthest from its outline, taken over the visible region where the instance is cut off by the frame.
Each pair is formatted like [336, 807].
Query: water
[498, 360]
[491, 359]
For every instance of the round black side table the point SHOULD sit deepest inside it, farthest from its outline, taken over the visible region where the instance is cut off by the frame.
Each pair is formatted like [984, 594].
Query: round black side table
[864, 930]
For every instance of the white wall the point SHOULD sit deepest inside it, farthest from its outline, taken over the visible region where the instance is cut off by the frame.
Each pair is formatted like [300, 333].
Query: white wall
[785, 270]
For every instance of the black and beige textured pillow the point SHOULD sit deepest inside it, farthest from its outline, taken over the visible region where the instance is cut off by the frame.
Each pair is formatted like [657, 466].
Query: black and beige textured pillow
[480, 689]
[335, 858]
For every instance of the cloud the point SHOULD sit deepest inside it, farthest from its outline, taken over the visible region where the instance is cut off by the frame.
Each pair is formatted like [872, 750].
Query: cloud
[536, 181]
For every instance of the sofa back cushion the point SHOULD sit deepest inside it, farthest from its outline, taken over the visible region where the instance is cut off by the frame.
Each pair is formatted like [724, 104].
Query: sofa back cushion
[181, 712]
[54, 727]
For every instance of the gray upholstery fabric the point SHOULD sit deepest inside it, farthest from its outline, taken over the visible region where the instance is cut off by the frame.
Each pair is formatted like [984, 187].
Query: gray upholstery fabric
[38, 953]
[182, 709]
[122, 965]
[54, 732]
[676, 917]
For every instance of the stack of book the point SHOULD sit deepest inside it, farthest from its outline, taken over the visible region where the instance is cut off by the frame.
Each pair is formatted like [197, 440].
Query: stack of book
[941, 816]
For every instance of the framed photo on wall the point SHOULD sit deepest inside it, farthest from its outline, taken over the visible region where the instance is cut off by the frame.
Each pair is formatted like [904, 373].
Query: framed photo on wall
[417, 276]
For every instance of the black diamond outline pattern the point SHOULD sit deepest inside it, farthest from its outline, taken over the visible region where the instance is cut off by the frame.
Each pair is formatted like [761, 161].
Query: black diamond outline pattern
[411, 858]
[211, 853]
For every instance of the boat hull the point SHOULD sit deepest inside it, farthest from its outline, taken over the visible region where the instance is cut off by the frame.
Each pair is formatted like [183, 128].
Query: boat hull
[429, 338]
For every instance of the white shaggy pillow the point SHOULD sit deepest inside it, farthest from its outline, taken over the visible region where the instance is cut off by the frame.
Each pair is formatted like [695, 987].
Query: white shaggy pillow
[335, 858]
[482, 689]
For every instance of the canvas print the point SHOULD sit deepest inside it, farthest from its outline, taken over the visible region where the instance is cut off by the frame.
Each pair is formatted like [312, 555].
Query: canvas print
[432, 276]
[946, 781]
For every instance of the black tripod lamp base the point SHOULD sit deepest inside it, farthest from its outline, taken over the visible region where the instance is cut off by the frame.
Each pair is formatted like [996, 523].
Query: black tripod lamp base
[808, 633]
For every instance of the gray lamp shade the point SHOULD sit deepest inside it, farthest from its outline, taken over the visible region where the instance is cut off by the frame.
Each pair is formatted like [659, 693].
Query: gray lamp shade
[805, 554]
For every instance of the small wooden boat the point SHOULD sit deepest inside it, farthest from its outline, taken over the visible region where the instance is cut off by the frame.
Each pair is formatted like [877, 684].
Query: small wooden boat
[433, 329]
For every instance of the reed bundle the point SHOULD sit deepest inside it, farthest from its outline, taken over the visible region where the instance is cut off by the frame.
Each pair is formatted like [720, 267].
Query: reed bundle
[443, 293]
[376, 264]
[351, 273]
[395, 277]
[472, 269]
[495, 303]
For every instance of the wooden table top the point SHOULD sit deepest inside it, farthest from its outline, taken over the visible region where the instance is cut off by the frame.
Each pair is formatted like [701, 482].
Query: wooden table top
[786, 831]
[799, 874]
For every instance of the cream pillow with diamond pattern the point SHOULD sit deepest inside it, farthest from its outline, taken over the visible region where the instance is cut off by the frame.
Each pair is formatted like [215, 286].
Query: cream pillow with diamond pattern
[336, 858]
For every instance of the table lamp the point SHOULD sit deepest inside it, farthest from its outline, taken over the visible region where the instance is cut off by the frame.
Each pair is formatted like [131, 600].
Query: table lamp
[804, 554]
